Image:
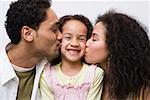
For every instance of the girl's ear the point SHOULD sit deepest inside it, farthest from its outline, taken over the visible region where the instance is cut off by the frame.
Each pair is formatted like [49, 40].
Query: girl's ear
[27, 34]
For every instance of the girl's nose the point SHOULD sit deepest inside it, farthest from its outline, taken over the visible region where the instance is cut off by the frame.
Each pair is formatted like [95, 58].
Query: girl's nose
[74, 42]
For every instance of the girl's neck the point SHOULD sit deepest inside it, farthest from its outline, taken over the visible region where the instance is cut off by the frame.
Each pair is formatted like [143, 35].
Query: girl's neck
[71, 69]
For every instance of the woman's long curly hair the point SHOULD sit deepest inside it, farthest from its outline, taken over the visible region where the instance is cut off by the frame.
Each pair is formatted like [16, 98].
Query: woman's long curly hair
[129, 46]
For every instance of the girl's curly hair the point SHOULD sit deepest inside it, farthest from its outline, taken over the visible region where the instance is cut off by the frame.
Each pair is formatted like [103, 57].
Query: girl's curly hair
[80, 18]
[129, 46]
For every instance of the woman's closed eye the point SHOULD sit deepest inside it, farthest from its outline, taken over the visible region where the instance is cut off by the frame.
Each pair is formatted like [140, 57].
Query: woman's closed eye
[94, 37]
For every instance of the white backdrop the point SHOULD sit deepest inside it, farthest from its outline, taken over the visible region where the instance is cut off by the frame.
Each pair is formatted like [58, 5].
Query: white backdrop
[139, 9]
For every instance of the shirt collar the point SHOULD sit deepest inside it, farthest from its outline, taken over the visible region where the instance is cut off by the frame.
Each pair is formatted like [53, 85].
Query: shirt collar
[7, 71]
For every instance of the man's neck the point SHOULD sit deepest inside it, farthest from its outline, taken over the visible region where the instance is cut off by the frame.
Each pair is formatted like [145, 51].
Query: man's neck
[22, 57]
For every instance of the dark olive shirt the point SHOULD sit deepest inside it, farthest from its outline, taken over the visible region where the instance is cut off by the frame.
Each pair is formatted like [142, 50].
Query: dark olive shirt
[26, 81]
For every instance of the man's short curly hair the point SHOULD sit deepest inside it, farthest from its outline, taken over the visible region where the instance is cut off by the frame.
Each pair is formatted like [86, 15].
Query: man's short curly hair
[25, 13]
[129, 46]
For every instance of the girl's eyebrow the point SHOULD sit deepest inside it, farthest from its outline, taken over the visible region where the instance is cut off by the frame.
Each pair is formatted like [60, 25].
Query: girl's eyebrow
[67, 34]
[82, 35]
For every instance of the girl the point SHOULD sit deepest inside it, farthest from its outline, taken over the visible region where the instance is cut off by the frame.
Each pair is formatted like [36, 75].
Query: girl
[72, 79]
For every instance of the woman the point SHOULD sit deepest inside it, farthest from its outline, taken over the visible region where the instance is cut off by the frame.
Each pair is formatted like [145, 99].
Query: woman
[121, 47]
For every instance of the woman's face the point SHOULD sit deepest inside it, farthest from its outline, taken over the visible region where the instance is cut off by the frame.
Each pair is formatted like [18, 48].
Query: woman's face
[96, 50]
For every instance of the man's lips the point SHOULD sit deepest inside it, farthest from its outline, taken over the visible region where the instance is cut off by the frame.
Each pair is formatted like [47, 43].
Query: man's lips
[58, 46]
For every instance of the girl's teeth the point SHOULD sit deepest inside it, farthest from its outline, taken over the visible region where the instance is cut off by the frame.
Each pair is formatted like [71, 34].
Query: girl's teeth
[73, 51]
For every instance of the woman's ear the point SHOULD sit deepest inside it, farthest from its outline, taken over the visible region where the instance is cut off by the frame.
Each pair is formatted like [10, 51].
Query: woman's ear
[27, 34]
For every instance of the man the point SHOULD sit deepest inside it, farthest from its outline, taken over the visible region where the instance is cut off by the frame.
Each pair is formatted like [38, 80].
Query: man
[32, 28]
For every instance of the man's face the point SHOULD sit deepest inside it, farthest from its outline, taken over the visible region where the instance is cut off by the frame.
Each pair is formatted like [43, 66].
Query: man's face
[47, 37]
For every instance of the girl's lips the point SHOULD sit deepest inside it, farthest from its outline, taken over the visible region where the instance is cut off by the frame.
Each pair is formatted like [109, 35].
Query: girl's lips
[73, 51]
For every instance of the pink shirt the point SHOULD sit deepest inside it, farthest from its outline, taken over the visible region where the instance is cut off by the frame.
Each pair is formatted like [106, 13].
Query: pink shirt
[69, 92]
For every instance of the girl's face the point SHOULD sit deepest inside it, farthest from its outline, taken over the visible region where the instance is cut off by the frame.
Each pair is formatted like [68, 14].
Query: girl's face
[97, 51]
[74, 40]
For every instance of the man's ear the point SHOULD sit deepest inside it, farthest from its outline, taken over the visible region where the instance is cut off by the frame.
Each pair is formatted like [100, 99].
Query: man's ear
[27, 33]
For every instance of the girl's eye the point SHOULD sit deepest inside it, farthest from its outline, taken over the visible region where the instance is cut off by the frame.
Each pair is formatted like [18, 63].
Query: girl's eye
[67, 37]
[82, 38]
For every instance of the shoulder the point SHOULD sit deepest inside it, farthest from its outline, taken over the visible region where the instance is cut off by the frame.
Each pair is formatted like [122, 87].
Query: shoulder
[57, 66]
[97, 71]
[48, 67]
